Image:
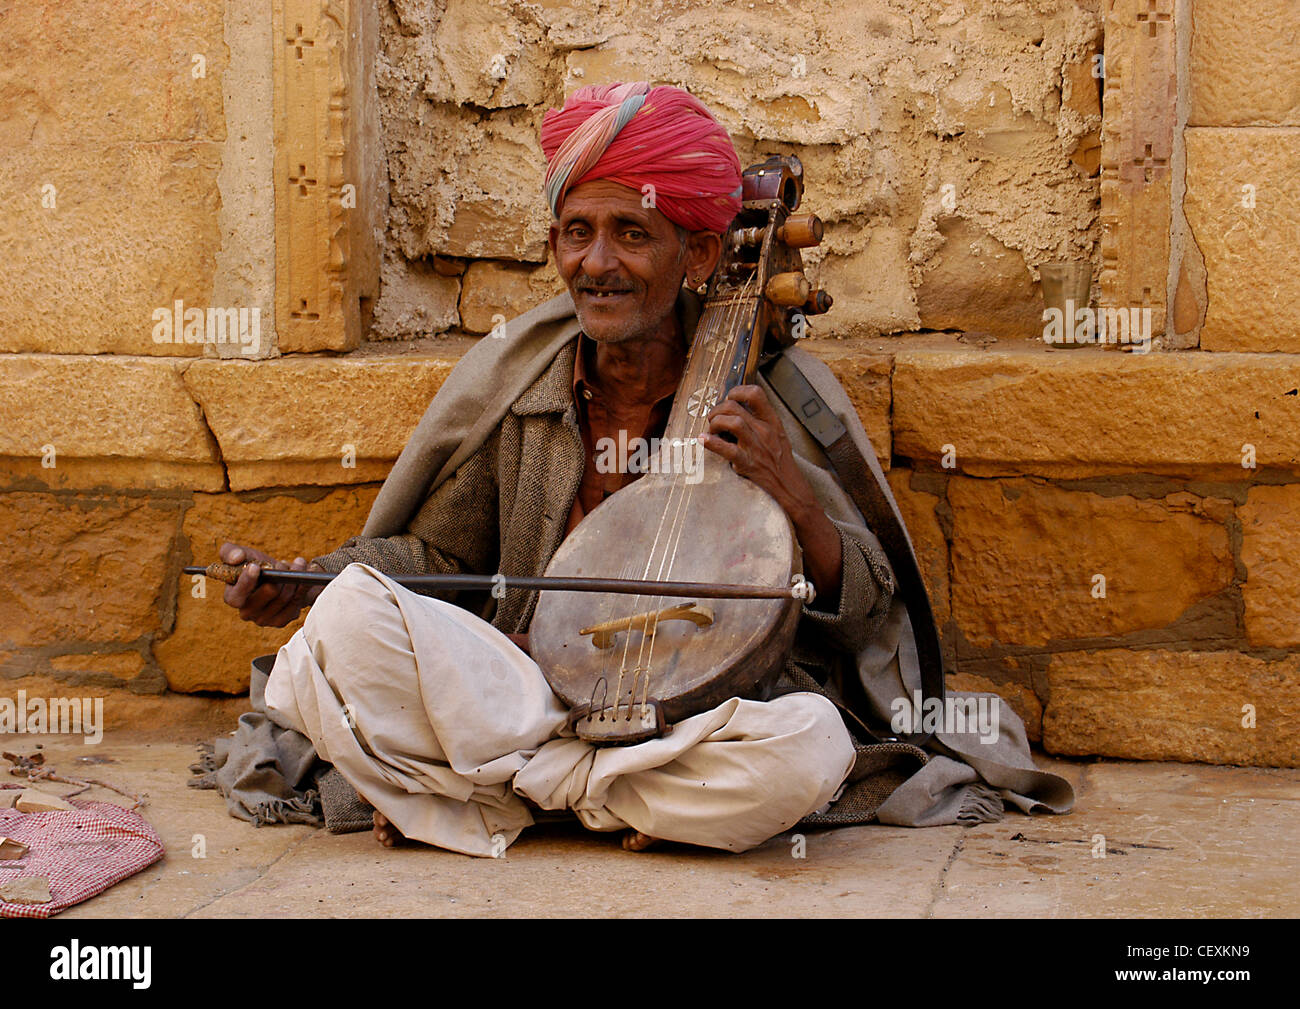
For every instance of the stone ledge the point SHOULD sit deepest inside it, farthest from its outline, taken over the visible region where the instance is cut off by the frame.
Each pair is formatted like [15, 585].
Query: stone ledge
[27, 474]
[112, 421]
[1092, 412]
[287, 422]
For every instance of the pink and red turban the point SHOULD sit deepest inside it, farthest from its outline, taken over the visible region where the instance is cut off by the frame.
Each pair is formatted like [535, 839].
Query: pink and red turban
[637, 135]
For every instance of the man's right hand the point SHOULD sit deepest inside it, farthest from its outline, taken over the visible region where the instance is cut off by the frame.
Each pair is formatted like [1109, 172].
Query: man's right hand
[266, 605]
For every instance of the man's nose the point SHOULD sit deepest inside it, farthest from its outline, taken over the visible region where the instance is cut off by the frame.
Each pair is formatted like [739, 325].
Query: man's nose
[600, 257]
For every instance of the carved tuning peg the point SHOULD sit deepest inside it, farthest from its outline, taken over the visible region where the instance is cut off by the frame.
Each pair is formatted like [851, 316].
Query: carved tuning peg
[789, 290]
[801, 231]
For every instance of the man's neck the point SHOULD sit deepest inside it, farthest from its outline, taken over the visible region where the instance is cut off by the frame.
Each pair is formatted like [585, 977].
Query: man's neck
[645, 369]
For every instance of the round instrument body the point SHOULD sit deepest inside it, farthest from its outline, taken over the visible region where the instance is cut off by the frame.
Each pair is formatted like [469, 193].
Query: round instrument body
[720, 528]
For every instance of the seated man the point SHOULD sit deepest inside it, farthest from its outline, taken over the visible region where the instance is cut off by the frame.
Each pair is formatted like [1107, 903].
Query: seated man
[439, 718]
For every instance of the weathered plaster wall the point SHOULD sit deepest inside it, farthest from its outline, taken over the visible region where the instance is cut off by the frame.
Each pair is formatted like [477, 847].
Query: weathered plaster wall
[950, 147]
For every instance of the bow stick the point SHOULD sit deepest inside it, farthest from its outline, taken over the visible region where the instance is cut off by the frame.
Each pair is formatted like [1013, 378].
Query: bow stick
[802, 589]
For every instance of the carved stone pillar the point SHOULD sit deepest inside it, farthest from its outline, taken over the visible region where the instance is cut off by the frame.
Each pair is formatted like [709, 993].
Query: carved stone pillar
[1137, 144]
[326, 197]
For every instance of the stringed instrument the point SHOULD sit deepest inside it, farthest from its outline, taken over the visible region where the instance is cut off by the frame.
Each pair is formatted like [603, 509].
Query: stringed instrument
[630, 665]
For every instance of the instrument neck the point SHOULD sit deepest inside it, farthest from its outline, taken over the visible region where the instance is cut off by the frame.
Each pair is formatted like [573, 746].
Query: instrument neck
[722, 356]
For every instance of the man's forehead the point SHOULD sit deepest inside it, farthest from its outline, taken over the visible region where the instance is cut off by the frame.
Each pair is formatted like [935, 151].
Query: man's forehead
[603, 196]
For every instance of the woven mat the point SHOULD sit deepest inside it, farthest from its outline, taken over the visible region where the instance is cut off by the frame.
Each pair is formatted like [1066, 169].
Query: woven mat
[82, 852]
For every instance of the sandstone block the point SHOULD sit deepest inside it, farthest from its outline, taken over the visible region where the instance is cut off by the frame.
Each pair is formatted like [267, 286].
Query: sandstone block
[126, 72]
[210, 647]
[865, 270]
[1081, 98]
[84, 568]
[1082, 91]
[1268, 549]
[1082, 413]
[1216, 707]
[11, 850]
[976, 283]
[245, 260]
[1137, 140]
[483, 56]
[493, 290]
[922, 521]
[321, 421]
[75, 421]
[466, 186]
[1244, 211]
[416, 300]
[1245, 66]
[99, 236]
[325, 183]
[1026, 557]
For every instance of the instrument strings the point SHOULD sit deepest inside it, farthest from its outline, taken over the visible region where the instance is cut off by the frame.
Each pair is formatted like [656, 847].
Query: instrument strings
[716, 333]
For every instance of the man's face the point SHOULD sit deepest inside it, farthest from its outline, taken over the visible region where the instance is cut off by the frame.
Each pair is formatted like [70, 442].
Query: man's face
[623, 263]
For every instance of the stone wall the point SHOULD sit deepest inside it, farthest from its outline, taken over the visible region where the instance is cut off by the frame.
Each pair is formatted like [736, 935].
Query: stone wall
[1104, 534]
[950, 148]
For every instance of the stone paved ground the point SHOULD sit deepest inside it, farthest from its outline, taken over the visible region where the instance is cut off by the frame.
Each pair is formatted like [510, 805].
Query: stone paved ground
[1181, 840]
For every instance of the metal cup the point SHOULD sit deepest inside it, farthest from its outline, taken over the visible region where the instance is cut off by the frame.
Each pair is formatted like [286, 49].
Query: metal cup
[1067, 287]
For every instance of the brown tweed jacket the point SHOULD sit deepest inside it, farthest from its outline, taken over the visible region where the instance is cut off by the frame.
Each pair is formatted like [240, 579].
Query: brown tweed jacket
[506, 509]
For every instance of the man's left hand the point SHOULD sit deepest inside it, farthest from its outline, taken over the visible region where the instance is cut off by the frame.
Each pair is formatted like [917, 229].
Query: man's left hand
[761, 450]
[762, 453]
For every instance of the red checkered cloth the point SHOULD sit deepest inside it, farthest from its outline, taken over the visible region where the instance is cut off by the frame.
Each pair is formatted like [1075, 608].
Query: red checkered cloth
[81, 852]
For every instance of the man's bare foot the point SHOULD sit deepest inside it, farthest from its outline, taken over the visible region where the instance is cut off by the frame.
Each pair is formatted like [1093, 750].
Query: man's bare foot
[634, 840]
[385, 833]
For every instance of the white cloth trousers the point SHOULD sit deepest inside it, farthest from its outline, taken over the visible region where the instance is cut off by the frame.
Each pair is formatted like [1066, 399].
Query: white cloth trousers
[441, 723]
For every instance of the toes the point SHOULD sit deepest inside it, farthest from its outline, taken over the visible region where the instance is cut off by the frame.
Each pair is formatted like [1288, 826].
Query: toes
[634, 840]
[384, 832]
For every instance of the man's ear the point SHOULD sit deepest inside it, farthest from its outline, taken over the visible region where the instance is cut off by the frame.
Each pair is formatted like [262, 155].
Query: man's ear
[703, 250]
[550, 239]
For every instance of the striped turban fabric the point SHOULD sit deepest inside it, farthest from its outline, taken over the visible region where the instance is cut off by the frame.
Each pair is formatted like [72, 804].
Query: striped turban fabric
[638, 136]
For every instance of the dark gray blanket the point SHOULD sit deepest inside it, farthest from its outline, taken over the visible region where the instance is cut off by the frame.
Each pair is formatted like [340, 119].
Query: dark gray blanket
[270, 774]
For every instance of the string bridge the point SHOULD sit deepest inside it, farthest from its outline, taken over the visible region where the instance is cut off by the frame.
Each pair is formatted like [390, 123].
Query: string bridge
[619, 725]
[603, 634]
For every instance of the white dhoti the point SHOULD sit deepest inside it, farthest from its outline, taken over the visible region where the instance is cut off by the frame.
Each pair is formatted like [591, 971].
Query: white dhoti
[442, 724]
